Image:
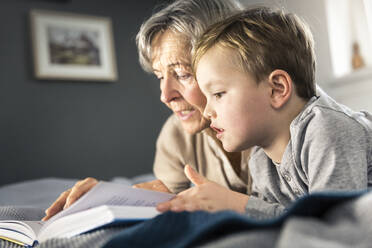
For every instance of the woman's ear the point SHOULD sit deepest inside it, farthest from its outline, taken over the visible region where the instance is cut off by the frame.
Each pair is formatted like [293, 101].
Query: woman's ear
[281, 86]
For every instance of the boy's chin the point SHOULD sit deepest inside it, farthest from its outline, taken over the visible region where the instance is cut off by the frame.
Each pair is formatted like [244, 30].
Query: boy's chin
[230, 147]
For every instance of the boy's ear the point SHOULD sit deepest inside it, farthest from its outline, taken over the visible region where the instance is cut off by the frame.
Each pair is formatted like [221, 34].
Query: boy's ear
[281, 86]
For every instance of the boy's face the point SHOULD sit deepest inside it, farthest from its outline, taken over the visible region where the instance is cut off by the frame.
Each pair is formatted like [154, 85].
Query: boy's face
[238, 107]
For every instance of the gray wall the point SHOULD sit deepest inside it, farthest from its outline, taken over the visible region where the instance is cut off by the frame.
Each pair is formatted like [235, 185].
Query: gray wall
[76, 129]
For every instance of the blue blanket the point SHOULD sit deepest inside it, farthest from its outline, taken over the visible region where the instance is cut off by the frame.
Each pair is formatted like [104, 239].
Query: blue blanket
[187, 229]
[319, 220]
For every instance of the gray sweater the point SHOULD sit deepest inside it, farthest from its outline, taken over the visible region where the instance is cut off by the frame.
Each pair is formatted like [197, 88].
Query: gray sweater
[330, 149]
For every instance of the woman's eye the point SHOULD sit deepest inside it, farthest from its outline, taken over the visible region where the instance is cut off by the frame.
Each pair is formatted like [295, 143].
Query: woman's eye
[183, 76]
[159, 78]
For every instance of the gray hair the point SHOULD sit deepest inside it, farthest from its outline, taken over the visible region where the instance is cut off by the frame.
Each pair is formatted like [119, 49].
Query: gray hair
[189, 18]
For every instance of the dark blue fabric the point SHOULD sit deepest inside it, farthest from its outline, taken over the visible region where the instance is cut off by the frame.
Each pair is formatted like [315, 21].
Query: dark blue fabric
[186, 229]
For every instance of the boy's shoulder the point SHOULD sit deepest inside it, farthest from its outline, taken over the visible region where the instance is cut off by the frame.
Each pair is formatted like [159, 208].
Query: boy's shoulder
[323, 114]
[325, 126]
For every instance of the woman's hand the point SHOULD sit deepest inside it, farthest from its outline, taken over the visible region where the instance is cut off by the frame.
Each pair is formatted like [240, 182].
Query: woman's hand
[205, 195]
[83, 186]
[70, 196]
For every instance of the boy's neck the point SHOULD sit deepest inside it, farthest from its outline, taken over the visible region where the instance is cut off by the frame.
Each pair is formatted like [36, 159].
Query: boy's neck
[281, 136]
[276, 150]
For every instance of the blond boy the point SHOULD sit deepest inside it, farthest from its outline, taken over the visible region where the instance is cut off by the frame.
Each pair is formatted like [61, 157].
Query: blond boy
[257, 71]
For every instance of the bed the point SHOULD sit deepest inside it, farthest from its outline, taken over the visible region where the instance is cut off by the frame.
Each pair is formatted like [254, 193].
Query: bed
[342, 219]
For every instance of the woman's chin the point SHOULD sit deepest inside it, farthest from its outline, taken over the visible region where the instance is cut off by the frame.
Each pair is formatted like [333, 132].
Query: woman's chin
[194, 126]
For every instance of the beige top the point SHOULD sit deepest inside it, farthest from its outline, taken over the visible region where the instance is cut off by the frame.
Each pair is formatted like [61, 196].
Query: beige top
[175, 148]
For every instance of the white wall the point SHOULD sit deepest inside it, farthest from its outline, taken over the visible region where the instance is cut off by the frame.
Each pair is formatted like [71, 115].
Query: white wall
[354, 90]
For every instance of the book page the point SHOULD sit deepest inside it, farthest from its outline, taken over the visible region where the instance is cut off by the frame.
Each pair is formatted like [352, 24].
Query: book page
[35, 225]
[23, 232]
[105, 193]
[90, 219]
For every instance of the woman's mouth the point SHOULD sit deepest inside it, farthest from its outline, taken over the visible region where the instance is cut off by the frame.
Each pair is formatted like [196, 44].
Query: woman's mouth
[185, 114]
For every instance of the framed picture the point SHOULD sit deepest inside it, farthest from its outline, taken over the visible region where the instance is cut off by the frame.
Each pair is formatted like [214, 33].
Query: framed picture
[72, 47]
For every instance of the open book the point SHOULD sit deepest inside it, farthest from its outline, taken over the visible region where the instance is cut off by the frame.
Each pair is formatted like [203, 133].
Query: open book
[105, 204]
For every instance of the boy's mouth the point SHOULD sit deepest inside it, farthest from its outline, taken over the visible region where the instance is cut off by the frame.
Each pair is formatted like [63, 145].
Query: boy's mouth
[218, 130]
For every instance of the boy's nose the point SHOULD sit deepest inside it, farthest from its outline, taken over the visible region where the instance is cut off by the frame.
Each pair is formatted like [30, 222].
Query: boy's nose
[208, 112]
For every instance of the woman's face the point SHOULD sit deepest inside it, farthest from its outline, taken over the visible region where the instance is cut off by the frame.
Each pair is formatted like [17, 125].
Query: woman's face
[179, 89]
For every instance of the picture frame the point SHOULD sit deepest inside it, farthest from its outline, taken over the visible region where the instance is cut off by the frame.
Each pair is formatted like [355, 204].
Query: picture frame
[69, 46]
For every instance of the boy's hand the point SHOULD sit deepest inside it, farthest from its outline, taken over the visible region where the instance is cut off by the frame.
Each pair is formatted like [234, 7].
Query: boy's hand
[70, 196]
[155, 185]
[205, 195]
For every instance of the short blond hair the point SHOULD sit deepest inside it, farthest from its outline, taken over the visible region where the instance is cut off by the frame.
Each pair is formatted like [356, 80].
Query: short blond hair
[266, 40]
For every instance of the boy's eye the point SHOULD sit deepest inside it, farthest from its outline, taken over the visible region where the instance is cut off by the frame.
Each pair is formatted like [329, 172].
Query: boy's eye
[218, 95]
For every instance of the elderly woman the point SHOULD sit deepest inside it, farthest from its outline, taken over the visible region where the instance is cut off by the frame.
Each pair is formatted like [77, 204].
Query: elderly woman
[165, 43]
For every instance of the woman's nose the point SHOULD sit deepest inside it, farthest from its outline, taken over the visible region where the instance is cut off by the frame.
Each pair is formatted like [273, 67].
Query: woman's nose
[169, 90]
